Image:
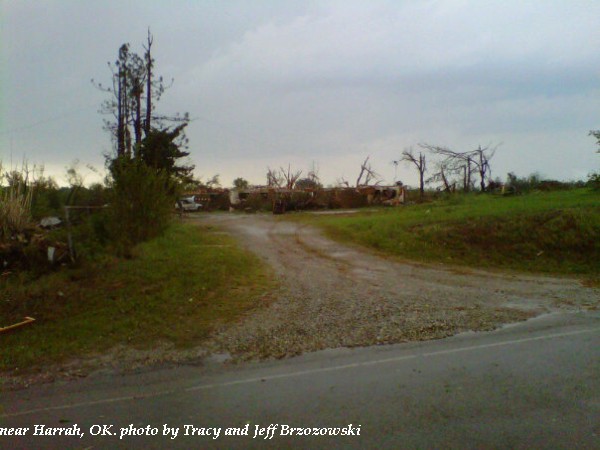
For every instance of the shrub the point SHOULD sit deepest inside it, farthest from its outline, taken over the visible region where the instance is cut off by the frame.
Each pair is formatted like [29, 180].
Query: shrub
[535, 182]
[141, 202]
[257, 201]
[15, 205]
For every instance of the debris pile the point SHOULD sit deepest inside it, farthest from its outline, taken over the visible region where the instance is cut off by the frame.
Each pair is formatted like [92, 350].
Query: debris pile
[280, 200]
[32, 248]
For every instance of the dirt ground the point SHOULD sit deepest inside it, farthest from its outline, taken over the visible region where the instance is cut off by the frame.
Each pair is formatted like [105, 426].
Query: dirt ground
[333, 295]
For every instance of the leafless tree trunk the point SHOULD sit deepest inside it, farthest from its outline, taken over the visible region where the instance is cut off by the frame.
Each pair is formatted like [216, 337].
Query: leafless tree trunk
[467, 172]
[482, 162]
[441, 176]
[120, 117]
[419, 161]
[149, 64]
[137, 124]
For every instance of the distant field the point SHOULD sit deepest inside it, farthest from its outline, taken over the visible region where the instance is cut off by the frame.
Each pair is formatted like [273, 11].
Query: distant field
[548, 232]
[175, 291]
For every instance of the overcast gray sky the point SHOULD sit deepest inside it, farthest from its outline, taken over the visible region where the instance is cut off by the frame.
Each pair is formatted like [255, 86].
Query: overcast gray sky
[277, 82]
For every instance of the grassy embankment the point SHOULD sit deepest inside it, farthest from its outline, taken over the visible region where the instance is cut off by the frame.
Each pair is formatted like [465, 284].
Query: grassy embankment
[175, 290]
[551, 232]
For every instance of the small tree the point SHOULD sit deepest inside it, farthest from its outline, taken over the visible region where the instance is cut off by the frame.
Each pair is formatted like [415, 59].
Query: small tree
[240, 184]
[307, 183]
[162, 149]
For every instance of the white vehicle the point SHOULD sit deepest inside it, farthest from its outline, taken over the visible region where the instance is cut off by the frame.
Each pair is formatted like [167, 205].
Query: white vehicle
[188, 204]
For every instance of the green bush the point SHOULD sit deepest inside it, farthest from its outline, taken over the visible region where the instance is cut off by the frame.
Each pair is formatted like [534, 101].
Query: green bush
[140, 203]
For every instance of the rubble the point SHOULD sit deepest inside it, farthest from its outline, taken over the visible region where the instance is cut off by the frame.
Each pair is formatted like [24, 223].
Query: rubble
[280, 200]
[50, 222]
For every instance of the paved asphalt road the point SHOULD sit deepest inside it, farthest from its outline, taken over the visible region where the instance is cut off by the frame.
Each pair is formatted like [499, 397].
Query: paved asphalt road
[531, 385]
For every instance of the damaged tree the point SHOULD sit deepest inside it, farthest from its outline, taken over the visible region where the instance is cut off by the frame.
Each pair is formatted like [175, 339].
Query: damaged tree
[284, 178]
[145, 170]
[419, 162]
[442, 176]
[469, 164]
[482, 158]
[453, 163]
[133, 84]
[290, 177]
[274, 179]
[160, 150]
[369, 174]
[312, 180]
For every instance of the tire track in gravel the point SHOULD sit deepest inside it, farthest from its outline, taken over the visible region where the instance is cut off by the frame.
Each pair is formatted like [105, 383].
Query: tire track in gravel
[333, 295]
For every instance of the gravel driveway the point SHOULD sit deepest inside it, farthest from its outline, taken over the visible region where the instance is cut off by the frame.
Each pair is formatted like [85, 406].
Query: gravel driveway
[333, 295]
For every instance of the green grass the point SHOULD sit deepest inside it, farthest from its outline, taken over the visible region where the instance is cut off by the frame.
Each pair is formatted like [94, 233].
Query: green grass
[176, 289]
[551, 232]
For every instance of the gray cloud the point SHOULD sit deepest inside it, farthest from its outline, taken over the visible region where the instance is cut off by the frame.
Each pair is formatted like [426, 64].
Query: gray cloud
[275, 82]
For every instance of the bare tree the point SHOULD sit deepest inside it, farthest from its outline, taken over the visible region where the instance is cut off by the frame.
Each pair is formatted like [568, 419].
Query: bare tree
[290, 177]
[116, 105]
[408, 155]
[454, 162]
[481, 159]
[470, 164]
[149, 64]
[138, 74]
[283, 178]
[313, 174]
[369, 174]
[442, 175]
[274, 179]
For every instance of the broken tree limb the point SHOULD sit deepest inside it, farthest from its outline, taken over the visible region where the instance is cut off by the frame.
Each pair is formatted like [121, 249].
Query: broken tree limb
[27, 321]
